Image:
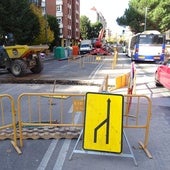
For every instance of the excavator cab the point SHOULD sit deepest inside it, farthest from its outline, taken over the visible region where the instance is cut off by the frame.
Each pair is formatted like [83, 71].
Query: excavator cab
[9, 39]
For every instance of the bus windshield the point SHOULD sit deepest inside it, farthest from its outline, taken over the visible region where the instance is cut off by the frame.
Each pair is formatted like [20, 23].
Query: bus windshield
[151, 39]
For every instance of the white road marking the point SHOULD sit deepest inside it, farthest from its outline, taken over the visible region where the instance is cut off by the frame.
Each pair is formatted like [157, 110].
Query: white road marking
[62, 155]
[94, 72]
[47, 155]
[63, 152]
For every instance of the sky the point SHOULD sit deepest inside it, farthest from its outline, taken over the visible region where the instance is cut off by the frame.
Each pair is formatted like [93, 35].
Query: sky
[110, 9]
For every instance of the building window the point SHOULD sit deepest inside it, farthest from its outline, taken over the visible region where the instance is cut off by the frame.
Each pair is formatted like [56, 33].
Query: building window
[36, 2]
[61, 31]
[59, 20]
[58, 8]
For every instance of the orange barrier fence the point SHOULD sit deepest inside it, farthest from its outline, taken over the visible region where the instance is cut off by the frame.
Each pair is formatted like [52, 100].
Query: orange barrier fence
[8, 120]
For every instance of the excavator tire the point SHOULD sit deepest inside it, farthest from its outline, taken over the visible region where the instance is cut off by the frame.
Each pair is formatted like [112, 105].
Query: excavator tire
[18, 68]
[38, 67]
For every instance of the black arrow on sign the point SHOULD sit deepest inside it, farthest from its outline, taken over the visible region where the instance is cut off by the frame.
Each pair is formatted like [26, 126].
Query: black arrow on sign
[106, 121]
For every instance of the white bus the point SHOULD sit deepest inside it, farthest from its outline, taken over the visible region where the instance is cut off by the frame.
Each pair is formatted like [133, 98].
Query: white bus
[147, 46]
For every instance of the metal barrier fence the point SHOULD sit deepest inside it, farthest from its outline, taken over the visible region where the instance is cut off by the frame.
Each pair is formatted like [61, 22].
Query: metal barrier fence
[52, 111]
[75, 59]
[8, 120]
[86, 59]
[137, 112]
[138, 116]
[61, 115]
[92, 59]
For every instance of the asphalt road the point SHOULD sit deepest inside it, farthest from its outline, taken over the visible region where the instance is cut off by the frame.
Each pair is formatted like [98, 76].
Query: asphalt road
[75, 77]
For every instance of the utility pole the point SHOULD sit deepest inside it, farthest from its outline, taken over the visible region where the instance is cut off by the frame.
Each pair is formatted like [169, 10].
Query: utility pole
[146, 10]
[46, 23]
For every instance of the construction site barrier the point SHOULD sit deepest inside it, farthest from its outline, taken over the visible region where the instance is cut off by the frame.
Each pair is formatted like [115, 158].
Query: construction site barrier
[138, 116]
[51, 111]
[137, 113]
[8, 126]
[127, 79]
[61, 115]
[121, 81]
[75, 59]
[92, 59]
[86, 59]
[104, 86]
[115, 58]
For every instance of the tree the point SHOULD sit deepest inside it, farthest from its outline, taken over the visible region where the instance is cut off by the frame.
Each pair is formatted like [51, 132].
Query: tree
[45, 34]
[85, 27]
[16, 17]
[95, 29]
[160, 16]
[155, 12]
[89, 30]
[54, 26]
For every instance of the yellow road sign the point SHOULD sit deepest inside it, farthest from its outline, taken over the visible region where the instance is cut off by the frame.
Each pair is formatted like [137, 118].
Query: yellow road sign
[103, 125]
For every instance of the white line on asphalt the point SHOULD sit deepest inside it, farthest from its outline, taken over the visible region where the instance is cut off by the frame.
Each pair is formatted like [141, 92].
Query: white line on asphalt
[47, 155]
[63, 152]
[93, 74]
[62, 155]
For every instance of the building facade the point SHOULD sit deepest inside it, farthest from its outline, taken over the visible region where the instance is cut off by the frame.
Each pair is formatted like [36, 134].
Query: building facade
[67, 13]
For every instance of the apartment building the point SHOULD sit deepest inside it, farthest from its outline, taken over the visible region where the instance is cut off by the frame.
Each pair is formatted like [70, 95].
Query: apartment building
[67, 13]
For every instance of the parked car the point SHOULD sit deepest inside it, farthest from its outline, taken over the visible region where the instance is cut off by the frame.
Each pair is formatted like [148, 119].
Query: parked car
[162, 75]
[85, 46]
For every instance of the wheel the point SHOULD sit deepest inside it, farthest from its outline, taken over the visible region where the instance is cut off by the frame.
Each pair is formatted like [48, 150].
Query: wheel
[38, 67]
[157, 83]
[18, 68]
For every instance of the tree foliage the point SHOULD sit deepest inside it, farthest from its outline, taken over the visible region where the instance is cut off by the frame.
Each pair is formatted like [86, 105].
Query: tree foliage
[16, 17]
[54, 26]
[45, 34]
[25, 21]
[85, 27]
[89, 30]
[95, 29]
[154, 13]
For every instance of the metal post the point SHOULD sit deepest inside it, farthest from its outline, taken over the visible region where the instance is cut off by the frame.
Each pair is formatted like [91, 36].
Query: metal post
[46, 23]
[146, 10]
